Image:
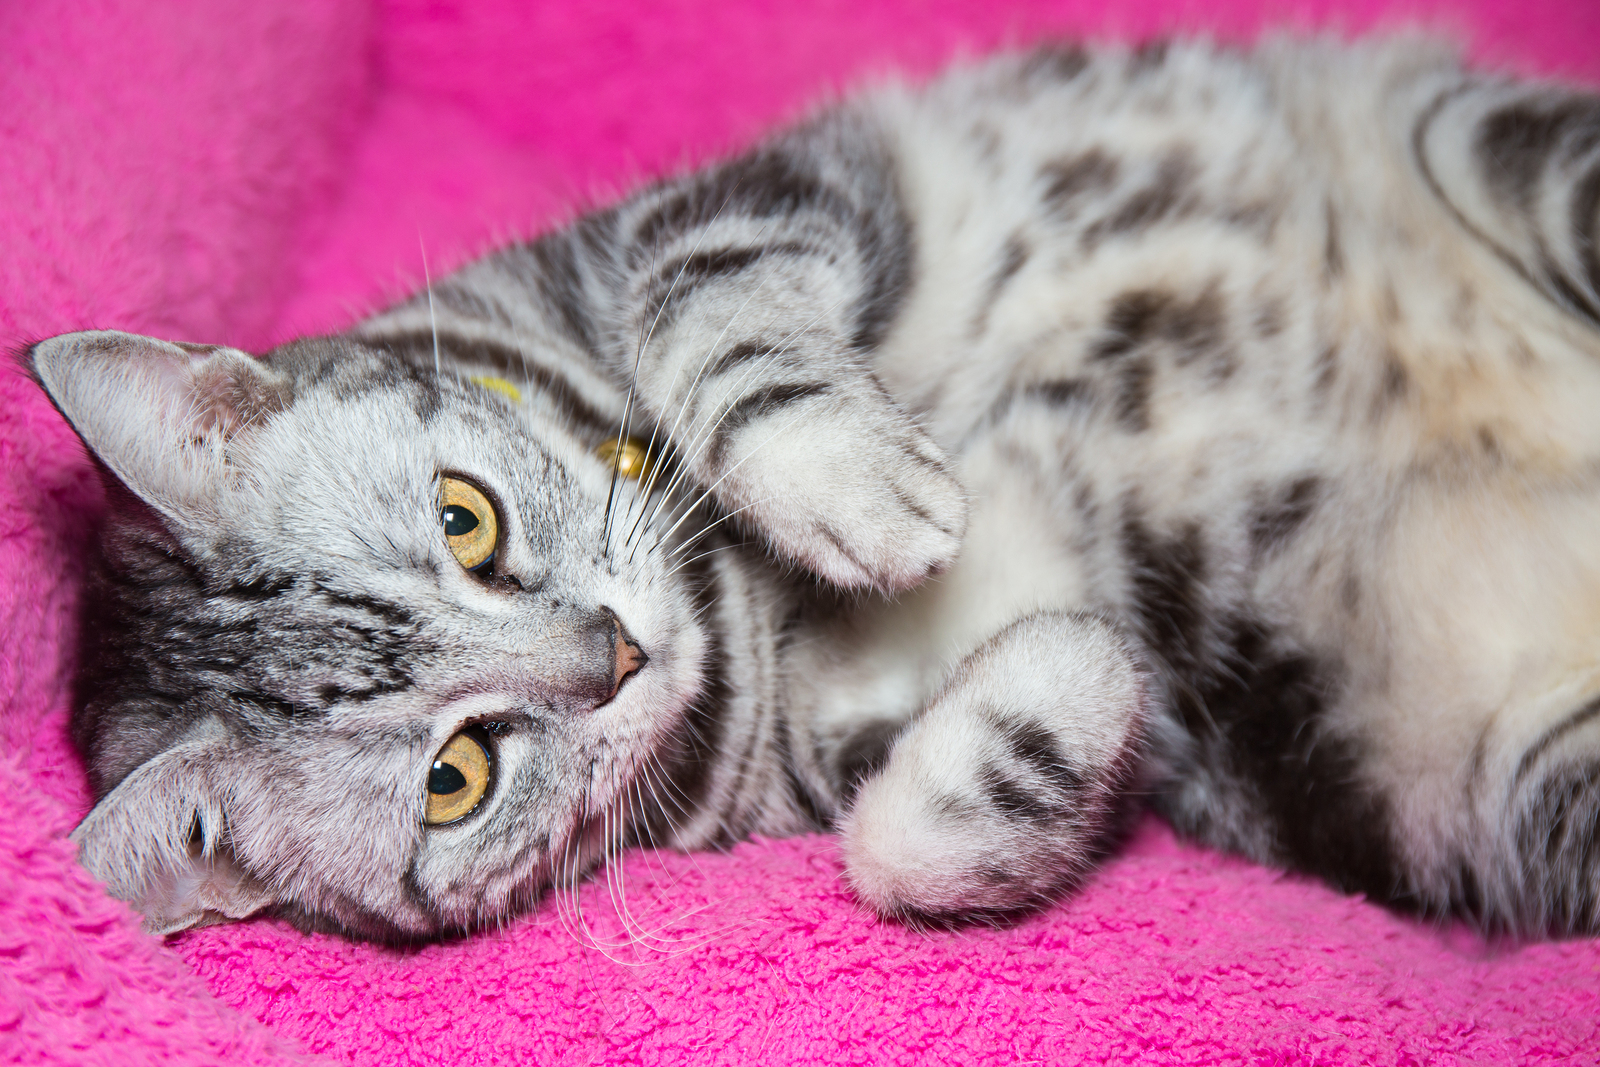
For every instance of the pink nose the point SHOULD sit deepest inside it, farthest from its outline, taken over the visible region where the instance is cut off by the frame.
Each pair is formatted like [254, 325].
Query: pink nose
[627, 655]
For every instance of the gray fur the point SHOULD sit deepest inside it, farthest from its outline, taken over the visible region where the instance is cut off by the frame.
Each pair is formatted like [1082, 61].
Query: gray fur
[1212, 425]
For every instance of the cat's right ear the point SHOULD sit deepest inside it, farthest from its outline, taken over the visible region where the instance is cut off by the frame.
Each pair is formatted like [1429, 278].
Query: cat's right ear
[159, 839]
[166, 418]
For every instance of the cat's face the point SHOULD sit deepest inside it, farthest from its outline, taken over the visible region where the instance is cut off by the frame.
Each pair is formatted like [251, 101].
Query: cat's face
[357, 582]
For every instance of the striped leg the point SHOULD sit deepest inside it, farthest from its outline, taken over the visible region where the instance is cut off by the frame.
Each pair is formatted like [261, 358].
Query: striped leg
[747, 298]
[994, 797]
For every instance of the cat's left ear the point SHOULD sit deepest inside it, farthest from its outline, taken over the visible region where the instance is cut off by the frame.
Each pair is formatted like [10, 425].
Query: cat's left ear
[165, 417]
[159, 839]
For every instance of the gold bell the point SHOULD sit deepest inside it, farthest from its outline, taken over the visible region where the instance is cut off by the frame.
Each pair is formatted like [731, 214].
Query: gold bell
[631, 458]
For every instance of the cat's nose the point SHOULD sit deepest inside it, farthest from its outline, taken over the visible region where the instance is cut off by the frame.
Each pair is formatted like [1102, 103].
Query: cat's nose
[626, 655]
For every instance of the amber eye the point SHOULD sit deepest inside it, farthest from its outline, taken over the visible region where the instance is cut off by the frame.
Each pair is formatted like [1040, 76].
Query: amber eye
[457, 781]
[470, 525]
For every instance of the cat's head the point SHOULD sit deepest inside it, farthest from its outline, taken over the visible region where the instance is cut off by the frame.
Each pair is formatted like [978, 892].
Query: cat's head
[361, 647]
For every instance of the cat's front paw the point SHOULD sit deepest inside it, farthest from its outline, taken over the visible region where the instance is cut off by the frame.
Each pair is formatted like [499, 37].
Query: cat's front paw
[850, 487]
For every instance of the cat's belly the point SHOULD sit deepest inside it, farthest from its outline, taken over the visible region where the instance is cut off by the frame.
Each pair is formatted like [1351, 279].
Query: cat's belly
[888, 657]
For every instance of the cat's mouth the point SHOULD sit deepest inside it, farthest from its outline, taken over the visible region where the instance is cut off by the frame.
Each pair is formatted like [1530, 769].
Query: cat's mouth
[628, 659]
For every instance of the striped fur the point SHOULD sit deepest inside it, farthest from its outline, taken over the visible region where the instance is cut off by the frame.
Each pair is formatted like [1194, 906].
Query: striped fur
[1179, 422]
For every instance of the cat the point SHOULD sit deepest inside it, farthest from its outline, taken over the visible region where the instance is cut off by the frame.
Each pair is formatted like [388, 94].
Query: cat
[960, 470]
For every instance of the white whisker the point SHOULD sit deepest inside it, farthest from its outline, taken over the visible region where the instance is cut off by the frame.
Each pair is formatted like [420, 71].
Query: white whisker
[427, 283]
[689, 393]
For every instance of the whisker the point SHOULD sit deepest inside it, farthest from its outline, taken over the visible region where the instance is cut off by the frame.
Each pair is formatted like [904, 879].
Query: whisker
[427, 283]
[633, 380]
[638, 933]
[689, 393]
[690, 542]
[698, 557]
[609, 865]
[713, 486]
[651, 771]
[563, 884]
[692, 506]
[701, 437]
[783, 347]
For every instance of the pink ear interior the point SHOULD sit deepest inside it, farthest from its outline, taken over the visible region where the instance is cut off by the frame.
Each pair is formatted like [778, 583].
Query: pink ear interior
[230, 394]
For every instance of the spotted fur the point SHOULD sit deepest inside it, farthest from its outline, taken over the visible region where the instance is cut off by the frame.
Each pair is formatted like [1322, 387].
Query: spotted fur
[1212, 426]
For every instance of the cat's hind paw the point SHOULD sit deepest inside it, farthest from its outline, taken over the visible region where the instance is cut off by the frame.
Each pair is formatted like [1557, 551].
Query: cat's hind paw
[945, 841]
[998, 796]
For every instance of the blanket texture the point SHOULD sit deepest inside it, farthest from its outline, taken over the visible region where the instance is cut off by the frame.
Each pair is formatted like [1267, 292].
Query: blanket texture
[243, 170]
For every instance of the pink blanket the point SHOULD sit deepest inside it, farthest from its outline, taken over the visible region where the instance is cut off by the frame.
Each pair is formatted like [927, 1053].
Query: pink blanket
[240, 171]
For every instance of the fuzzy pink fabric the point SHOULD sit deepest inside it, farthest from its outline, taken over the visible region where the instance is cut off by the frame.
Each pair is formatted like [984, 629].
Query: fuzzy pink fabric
[241, 171]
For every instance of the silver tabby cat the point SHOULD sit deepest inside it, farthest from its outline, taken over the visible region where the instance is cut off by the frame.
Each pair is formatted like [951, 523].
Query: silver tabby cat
[955, 471]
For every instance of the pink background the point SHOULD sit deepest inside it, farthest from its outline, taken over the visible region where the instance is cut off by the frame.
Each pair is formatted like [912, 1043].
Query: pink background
[242, 171]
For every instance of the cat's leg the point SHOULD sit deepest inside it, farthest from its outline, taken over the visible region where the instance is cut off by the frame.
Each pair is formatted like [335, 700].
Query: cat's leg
[994, 797]
[744, 301]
